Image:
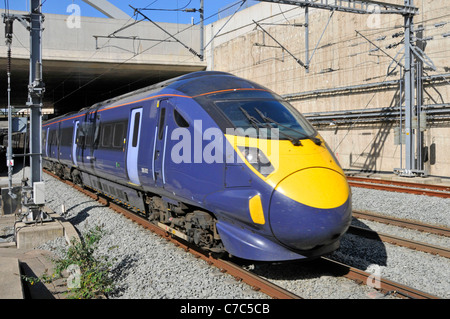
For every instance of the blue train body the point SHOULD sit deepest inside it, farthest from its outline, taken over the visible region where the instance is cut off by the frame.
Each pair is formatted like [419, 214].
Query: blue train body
[214, 159]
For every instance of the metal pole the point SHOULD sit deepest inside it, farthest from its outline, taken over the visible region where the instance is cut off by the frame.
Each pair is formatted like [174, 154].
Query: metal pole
[212, 48]
[35, 91]
[409, 96]
[8, 36]
[202, 32]
[419, 88]
[307, 38]
[401, 118]
[413, 106]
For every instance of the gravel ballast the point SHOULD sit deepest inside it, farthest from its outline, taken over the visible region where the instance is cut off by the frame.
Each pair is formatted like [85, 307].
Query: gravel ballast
[147, 266]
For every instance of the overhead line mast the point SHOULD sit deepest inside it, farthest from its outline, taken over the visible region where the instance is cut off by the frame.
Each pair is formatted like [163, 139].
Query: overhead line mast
[36, 89]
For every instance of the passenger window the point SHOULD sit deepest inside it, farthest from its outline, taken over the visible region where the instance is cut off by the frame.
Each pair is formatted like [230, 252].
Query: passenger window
[162, 118]
[137, 118]
[66, 136]
[179, 119]
[118, 134]
[107, 135]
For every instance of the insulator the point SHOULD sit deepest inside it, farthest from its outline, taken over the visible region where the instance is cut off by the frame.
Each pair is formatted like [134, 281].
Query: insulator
[8, 30]
[8, 63]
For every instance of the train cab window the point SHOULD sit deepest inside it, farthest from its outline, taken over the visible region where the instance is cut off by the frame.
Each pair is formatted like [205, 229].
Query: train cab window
[267, 113]
[179, 119]
[162, 118]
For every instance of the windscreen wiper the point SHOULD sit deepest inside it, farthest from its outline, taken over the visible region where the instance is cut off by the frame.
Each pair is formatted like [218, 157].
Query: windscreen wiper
[253, 121]
[268, 120]
[256, 123]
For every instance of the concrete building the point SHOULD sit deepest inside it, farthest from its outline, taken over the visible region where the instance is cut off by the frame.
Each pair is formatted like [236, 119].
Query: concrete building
[351, 91]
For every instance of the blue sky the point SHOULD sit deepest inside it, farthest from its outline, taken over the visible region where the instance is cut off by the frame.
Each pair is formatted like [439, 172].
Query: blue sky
[60, 7]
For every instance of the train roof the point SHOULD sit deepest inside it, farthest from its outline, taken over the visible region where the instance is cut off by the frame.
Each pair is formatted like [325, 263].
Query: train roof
[191, 84]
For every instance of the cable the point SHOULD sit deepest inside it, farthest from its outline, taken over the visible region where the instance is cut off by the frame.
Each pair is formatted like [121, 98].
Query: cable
[359, 116]
[128, 59]
[95, 52]
[7, 7]
[279, 6]
[151, 4]
[178, 9]
[242, 3]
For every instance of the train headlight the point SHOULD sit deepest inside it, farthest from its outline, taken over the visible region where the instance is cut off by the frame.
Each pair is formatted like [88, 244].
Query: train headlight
[256, 158]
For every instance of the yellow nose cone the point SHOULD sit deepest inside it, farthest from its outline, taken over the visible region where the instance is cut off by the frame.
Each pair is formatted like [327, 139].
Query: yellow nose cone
[316, 187]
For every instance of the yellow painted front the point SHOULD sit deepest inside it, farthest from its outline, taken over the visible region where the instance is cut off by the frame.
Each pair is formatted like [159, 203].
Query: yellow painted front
[316, 187]
[288, 159]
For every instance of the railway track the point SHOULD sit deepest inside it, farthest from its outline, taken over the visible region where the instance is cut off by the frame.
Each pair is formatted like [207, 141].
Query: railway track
[239, 273]
[231, 268]
[400, 187]
[412, 244]
[381, 284]
[413, 225]
[409, 224]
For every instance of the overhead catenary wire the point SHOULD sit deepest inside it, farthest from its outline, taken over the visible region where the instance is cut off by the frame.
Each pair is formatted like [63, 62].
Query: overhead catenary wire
[136, 54]
[177, 9]
[87, 60]
[170, 35]
[377, 32]
[240, 69]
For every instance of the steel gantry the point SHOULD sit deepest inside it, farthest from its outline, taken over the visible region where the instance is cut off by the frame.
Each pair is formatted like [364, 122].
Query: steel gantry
[353, 6]
[413, 58]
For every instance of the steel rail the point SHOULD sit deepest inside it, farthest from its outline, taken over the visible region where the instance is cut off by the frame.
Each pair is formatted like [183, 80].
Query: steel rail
[400, 187]
[399, 183]
[384, 285]
[410, 224]
[362, 277]
[419, 246]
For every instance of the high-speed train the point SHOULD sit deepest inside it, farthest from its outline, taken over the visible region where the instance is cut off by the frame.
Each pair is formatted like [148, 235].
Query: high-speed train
[214, 159]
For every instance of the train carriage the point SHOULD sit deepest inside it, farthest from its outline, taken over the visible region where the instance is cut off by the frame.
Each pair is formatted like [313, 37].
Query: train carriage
[214, 159]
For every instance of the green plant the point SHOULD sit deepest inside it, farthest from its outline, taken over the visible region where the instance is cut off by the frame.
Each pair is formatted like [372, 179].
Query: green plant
[91, 277]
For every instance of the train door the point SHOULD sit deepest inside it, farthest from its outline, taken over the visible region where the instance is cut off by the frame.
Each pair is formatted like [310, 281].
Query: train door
[160, 144]
[74, 143]
[172, 171]
[52, 145]
[133, 145]
[87, 137]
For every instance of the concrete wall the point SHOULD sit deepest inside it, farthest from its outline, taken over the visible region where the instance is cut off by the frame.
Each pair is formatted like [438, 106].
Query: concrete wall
[343, 58]
[78, 71]
[66, 39]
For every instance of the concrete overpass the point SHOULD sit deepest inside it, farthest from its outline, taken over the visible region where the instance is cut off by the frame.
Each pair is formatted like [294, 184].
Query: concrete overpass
[87, 60]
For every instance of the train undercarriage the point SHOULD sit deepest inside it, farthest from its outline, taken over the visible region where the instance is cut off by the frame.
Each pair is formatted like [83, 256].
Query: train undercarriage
[185, 221]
